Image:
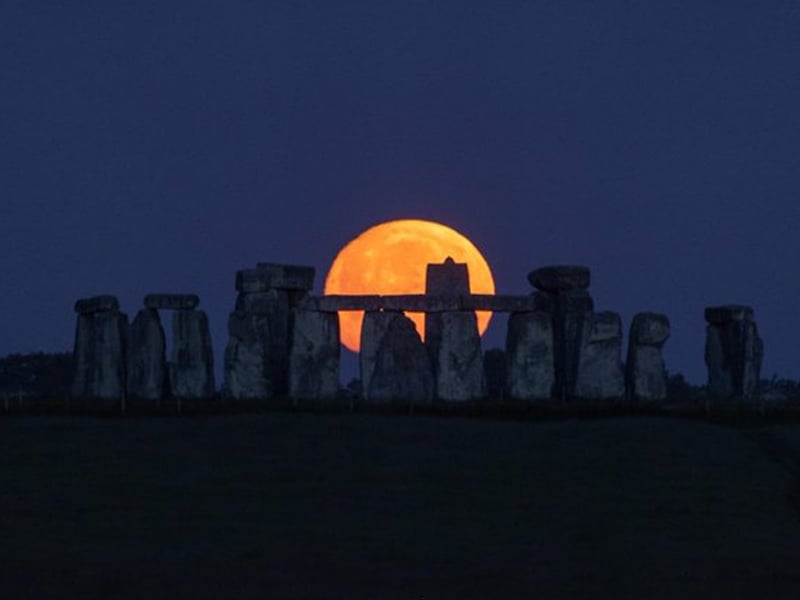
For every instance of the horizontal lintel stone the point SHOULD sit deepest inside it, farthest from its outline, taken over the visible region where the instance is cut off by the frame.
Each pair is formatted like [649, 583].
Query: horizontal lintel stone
[103, 303]
[268, 276]
[171, 301]
[419, 303]
[728, 313]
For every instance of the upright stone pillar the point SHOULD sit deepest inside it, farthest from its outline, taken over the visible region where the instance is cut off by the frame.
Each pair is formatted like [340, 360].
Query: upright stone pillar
[147, 364]
[314, 361]
[100, 352]
[191, 371]
[600, 372]
[563, 293]
[394, 362]
[645, 373]
[733, 352]
[529, 355]
[260, 329]
[452, 338]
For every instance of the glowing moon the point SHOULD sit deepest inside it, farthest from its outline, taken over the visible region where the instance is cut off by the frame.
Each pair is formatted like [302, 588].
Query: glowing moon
[391, 258]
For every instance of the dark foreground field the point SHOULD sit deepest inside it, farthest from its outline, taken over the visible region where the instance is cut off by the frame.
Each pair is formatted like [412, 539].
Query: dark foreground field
[348, 506]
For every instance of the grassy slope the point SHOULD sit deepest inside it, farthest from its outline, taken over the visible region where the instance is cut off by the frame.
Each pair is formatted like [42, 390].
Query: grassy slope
[366, 506]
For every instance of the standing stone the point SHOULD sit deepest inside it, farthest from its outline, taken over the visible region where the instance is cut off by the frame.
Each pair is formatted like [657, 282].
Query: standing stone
[147, 367]
[733, 352]
[314, 360]
[455, 349]
[447, 279]
[100, 351]
[452, 338]
[394, 362]
[645, 373]
[600, 372]
[247, 358]
[260, 330]
[562, 292]
[191, 371]
[529, 351]
[257, 356]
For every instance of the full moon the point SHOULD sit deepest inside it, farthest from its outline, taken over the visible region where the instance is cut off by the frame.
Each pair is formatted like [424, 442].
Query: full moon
[392, 258]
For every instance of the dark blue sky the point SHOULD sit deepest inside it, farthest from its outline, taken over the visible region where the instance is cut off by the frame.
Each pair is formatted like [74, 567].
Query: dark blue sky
[151, 146]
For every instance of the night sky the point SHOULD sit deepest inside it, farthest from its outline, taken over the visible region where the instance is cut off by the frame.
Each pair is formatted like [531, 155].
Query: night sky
[151, 146]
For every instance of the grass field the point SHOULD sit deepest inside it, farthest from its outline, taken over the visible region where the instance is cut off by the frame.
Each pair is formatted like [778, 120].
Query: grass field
[364, 506]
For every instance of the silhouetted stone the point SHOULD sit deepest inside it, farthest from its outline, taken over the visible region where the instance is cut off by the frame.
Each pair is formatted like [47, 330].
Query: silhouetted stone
[314, 360]
[733, 352]
[247, 369]
[447, 279]
[394, 362]
[253, 281]
[147, 367]
[455, 349]
[600, 371]
[272, 302]
[529, 352]
[191, 370]
[257, 354]
[494, 369]
[560, 278]
[100, 354]
[171, 301]
[568, 309]
[731, 312]
[419, 303]
[288, 277]
[86, 306]
[267, 276]
[645, 373]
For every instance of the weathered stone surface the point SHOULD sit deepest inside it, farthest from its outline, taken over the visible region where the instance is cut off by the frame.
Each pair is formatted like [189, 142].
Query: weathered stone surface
[267, 276]
[727, 313]
[100, 354]
[560, 278]
[335, 303]
[147, 365]
[645, 372]
[447, 279]
[191, 370]
[257, 355]
[733, 355]
[273, 302]
[288, 277]
[419, 303]
[455, 349]
[394, 362]
[600, 370]
[494, 369]
[253, 281]
[86, 306]
[248, 375]
[649, 329]
[314, 359]
[568, 311]
[530, 360]
[171, 301]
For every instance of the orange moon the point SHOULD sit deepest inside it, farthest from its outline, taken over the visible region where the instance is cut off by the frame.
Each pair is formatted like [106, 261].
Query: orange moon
[392, 258]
